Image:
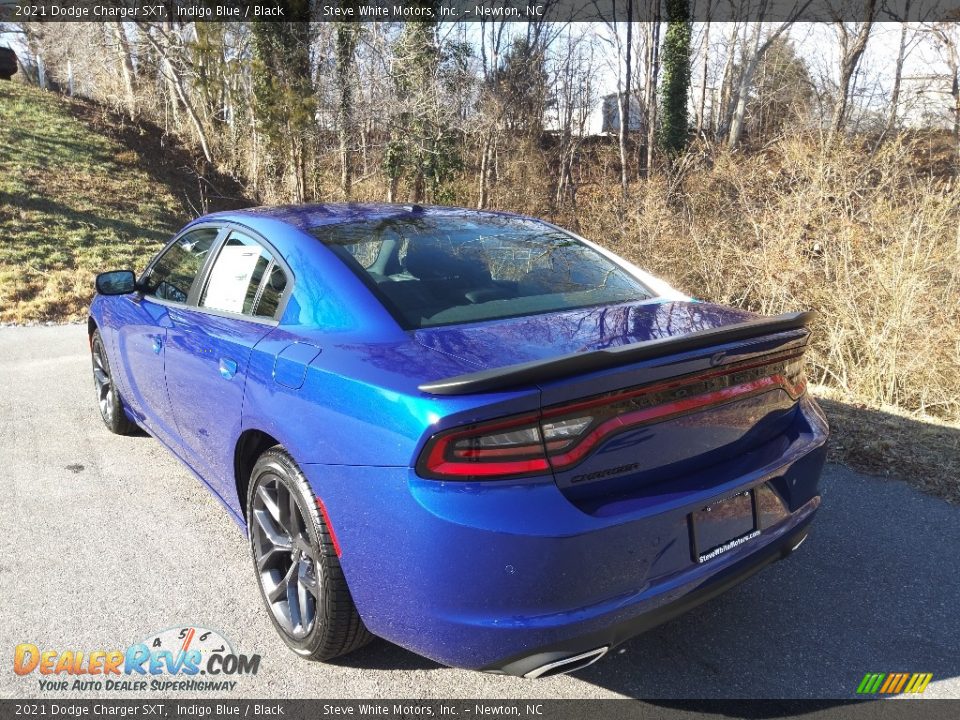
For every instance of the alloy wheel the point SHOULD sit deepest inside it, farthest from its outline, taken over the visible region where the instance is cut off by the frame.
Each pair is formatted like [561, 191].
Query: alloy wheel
[286, 559]
[102, 382]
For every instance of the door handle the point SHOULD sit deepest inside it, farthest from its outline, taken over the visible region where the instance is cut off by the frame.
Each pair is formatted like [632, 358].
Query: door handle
[157, 344]
[228, 368]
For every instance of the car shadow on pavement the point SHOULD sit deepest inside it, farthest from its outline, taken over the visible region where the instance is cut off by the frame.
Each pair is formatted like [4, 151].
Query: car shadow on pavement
[383, 655]
[873, 589]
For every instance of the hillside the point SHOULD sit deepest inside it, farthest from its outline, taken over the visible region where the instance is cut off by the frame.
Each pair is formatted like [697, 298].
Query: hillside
[81, 191]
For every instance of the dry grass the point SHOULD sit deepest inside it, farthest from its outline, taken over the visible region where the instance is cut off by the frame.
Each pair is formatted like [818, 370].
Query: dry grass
[870, 238]
[867, 240]
[924, 451]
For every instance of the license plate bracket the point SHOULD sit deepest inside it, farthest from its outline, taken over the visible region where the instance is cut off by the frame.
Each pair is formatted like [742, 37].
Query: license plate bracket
[723, 525]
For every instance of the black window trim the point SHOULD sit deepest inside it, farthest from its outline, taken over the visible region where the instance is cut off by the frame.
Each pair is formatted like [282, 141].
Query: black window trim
[200, 281]
[163, 251]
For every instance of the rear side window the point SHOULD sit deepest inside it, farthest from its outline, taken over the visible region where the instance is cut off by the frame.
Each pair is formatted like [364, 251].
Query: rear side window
[244, 279]
[275, 282]
[433, 270]
[173, 274]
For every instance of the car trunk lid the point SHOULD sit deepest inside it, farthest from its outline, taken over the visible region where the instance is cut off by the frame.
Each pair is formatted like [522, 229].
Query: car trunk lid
[636, 394]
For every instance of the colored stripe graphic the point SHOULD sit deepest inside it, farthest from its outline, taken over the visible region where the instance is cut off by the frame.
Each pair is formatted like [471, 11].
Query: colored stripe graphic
[870, 683]
[894, 683]
[891, 680]
[918, 683]
[899, 686]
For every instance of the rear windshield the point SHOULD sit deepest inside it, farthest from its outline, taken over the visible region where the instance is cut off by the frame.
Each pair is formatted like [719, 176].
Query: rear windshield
[442, 270]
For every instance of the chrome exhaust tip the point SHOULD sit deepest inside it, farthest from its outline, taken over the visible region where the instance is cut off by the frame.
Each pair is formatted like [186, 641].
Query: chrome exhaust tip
[569, 664]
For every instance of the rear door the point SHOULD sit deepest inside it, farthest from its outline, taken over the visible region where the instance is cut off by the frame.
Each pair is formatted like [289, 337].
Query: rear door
[142, 320]
[209, 347]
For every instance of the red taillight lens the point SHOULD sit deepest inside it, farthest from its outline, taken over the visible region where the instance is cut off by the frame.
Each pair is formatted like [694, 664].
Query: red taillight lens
[560, 437]
[502, 449]
[506, 448]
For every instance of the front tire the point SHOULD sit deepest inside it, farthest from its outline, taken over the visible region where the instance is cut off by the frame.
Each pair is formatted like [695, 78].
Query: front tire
[108, 398]
[296, 564]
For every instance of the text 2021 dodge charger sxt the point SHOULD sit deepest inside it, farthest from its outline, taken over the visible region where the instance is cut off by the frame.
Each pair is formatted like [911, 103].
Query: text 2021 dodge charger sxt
[473, 434]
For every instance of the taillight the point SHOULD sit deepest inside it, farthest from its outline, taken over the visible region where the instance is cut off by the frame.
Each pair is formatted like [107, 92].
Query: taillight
[560, 437]
[505, 448]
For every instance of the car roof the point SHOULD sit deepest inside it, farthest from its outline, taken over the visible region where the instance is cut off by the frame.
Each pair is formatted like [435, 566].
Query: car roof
[305, 217]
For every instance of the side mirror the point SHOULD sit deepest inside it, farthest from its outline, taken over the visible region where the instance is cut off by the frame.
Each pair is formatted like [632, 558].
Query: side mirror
[116, 282]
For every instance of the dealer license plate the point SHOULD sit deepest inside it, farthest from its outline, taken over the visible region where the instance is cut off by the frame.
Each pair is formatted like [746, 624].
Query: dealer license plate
[723, 526]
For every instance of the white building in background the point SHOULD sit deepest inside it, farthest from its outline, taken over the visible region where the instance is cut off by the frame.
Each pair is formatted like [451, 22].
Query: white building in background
[610, 120]
[600, 118]
[926, 101]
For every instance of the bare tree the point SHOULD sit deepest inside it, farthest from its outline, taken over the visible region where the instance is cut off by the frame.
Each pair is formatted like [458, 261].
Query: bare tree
[623, 67]
[902, 50]
[165, 48]
[126, 67]
[653, 73]
[727, 79]
[490, 120]
[624, 100]
[947, 37]
[755, 47]
[853, 43]
[705, 50]
[575, 96]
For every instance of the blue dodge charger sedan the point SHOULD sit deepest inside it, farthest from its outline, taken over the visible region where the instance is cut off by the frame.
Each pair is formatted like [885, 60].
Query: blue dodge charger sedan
[474, 434]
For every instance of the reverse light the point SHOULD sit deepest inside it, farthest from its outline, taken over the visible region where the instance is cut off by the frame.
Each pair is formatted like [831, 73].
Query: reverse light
[561, 434]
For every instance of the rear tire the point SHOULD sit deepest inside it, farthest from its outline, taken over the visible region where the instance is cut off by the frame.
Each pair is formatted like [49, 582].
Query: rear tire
[296, 565]
[108, 397]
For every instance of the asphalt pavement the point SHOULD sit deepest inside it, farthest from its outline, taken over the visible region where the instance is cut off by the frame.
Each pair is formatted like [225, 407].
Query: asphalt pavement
[108, 539]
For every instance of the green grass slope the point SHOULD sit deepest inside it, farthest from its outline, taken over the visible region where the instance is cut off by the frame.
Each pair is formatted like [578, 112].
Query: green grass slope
[81, 192]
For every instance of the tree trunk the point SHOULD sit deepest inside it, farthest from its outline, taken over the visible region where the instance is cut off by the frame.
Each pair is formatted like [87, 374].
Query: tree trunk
[346, 43]
[852, 52]
[175, 79]
[741, 93]
[126, 68]
[725, 111]
[955, 91]
[418, 188]
[296, 189]
[392, 188]
[653, 70]
[898, 76]
[703, 85]
[625, 114]
[675, 100]
[482, 198]
[364, 143]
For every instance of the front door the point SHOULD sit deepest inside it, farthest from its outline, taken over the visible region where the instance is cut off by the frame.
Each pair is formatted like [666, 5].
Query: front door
[143, 319]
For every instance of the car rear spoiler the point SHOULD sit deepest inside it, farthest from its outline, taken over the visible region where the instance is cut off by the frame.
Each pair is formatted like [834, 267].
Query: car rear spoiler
[538, 371]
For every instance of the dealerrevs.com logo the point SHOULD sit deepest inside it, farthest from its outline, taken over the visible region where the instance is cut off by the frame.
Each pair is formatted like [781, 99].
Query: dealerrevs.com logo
[191, 659]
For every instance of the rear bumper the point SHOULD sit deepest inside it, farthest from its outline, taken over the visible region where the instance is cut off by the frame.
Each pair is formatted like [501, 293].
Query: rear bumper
[527, 663]
[508, 576]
